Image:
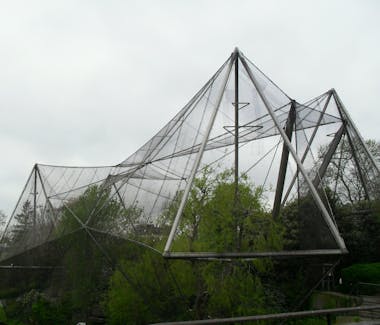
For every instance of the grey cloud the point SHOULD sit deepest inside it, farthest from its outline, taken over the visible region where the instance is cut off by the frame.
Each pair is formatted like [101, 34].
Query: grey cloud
[89, 82]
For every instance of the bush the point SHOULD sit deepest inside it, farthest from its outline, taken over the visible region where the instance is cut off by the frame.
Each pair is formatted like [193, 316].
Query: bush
[361, 273]
[361, 279]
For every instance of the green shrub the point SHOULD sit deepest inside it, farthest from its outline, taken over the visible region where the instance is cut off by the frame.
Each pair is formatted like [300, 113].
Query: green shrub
[361, 273]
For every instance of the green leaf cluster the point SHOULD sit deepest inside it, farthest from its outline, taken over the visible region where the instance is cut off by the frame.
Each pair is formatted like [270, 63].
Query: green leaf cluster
[222, 217]
[216, 217]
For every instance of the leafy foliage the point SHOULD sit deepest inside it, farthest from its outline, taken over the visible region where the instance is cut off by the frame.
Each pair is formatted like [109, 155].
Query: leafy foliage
[134, 285]
[95, 208]
[359, 225]
[24, 221]
[214, 219]
[344, 177]
[304, 225]
[362, 273]
[150, 295]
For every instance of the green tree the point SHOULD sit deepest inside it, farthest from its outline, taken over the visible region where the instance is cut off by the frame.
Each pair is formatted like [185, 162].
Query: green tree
[88, 247]
[3, 223]
[24, 222]
[343, 176]
[213, 220]
[3, 219]
[359, 224]
[157, 290]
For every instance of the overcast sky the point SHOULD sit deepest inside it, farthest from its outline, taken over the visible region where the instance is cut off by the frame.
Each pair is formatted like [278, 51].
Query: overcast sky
[88, 82]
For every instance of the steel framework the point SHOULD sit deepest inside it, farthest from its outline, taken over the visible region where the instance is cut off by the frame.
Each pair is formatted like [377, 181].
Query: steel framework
[229, 124]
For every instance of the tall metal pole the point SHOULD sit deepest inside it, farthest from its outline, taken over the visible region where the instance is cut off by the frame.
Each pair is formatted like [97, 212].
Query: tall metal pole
[236, 122]
[236, 210]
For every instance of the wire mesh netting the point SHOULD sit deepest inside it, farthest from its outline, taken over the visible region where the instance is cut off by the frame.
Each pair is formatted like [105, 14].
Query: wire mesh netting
[220, 171]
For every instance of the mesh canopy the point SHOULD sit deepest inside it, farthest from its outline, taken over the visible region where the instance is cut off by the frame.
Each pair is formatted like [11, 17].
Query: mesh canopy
[221, 163]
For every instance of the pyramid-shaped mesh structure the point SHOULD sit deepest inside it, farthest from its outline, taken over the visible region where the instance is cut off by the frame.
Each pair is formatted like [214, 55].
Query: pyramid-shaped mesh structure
[192, 162]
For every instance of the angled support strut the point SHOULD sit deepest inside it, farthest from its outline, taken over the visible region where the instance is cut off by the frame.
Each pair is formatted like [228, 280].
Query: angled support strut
[284, 161]
[339, 240]
[328, 156]
[198, 158]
